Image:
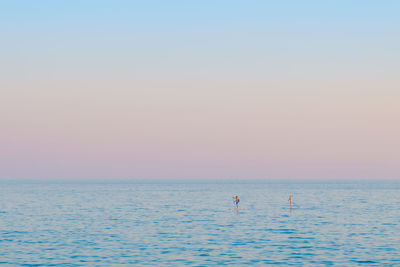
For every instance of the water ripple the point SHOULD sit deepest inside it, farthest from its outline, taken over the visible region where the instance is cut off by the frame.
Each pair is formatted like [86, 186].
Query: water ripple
[170, 224]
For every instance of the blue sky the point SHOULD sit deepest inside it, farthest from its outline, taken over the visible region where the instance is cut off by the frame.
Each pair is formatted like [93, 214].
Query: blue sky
[200, 89]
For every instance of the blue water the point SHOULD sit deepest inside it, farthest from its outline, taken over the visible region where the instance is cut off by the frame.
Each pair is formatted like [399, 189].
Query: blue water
[172, 224]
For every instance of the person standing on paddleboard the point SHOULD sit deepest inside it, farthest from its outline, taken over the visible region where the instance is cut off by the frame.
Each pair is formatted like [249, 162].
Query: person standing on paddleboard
[237, 202]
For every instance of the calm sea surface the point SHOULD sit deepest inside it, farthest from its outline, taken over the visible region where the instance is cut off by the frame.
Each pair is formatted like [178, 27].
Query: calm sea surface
[173, 224]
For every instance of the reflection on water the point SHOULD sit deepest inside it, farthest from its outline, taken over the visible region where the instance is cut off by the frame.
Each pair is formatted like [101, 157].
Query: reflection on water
[197, 224]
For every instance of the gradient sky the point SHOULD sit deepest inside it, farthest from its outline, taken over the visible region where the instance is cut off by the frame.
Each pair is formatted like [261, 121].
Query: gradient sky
[199, 89]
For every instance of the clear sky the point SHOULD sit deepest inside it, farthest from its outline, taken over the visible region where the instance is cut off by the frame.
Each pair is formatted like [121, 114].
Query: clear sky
[199, 89]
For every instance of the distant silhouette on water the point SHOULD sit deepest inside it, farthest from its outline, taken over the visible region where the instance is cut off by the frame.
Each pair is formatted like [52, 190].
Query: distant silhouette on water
[236, 201]
[291, 201]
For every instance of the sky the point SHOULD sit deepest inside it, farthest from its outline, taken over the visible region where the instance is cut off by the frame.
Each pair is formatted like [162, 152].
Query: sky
[199, 89]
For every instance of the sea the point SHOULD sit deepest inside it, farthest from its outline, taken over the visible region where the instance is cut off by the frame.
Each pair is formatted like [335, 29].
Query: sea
[181, 223]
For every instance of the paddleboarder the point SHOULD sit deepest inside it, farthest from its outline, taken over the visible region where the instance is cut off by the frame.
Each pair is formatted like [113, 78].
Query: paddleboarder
[237, 200]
